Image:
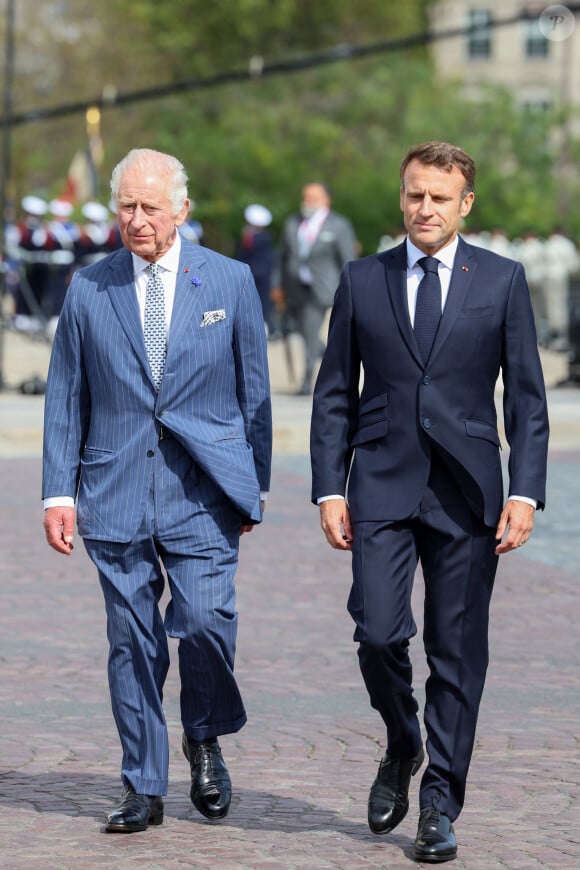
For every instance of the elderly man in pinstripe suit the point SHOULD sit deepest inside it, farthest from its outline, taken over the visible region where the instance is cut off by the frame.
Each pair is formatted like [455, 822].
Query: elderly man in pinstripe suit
[166, 455]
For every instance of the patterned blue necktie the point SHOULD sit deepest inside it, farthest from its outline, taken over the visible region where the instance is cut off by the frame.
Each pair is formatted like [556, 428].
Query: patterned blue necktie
[154, 327]
[428, 306]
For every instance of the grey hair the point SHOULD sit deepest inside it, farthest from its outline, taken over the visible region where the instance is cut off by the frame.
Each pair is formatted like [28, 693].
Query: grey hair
[160, 164]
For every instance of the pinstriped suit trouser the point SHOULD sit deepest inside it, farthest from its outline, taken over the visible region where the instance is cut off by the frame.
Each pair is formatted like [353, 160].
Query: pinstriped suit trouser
[190, 534]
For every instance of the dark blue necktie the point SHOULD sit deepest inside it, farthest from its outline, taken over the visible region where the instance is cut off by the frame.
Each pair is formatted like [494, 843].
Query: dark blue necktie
[428, 305]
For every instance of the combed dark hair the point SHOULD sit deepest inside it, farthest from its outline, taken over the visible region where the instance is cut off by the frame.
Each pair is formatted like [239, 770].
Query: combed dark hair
[444, 156]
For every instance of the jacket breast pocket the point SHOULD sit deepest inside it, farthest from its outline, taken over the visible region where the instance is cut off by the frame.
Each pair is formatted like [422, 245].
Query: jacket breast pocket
[215, 331]
[486, 311]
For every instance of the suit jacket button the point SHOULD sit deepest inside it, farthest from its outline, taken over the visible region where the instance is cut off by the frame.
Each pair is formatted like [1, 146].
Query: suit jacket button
[427, 423]
[150, 453]
[426, 380]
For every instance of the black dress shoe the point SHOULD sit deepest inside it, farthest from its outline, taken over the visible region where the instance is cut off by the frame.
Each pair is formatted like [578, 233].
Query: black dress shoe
[435, 841]
[211, 786]
[135, 813]
[389, 794]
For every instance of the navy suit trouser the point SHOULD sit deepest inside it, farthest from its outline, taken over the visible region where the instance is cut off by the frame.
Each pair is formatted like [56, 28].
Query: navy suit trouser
[457, 555]
[190, 535]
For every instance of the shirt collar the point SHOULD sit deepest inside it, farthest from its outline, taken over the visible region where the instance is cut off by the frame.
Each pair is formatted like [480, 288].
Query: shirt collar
[318, 216]
[446, 255]
[169, 260]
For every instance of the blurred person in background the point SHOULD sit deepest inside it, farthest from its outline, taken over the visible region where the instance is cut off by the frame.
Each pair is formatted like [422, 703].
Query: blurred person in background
[256, 248]
[529, 250]
[561, 262]
[97, 235]
[314, 246]
[64, 232]
[30, 245]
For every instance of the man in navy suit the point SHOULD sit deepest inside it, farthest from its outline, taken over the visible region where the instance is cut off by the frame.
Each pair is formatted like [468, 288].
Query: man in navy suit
[419, 447]
[165, 447]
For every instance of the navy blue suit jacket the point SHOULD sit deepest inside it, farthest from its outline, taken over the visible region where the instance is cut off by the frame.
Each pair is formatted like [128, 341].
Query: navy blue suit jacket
[103, 415]
[380, 438]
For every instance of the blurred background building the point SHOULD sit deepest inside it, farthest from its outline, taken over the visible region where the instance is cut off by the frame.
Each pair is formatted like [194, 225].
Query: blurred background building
[537, 57]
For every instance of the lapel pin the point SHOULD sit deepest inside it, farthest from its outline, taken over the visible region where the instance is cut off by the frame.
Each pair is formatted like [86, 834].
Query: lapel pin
[196, 281]
[465, 269]
[186, 270]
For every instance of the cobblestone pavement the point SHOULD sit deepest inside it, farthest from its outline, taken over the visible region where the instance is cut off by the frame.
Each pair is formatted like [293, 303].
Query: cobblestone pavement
[302, 766]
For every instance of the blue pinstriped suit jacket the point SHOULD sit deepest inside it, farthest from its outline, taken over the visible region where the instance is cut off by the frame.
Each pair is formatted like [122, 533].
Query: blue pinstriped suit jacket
[103, 416]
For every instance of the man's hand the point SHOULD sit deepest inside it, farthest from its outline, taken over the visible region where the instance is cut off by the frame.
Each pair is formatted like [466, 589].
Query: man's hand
[335, 522]
[516, 523]
[59, 523]
[249, 528]
[278, 297]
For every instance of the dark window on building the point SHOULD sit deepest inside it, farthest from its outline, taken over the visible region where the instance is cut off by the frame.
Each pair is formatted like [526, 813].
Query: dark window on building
[536, 42]
[479, 37]
[535, 107]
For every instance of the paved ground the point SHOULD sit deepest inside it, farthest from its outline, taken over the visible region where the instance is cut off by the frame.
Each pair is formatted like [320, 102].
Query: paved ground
[303, 764]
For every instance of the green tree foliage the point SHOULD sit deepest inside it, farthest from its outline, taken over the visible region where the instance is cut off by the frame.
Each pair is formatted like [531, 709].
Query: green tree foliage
[346, 123]
[195, 37]
[349, 126]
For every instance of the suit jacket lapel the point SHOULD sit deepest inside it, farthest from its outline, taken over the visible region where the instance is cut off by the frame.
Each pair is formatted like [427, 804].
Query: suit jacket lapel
[121, 290]
[191, 275]
[396, 273]
[464, 268]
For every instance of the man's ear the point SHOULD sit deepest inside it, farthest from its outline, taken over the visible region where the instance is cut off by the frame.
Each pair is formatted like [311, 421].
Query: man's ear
[466, 204]
[182, 215]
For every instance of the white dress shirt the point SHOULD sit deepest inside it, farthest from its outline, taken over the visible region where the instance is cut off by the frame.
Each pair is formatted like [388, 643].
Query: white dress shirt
[168, 268]
[446, 256]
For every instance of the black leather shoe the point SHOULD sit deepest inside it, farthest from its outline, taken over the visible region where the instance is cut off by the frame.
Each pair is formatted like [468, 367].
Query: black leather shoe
[435, 841]
[135, 813]
[389, 794]
[211, 786]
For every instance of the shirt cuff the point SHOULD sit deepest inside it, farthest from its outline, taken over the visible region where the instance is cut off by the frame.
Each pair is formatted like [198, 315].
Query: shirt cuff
[59, 501]
[328, 498]
[524, 498]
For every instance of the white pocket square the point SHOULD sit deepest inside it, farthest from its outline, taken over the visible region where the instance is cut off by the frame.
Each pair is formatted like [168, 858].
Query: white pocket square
[210, 317]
